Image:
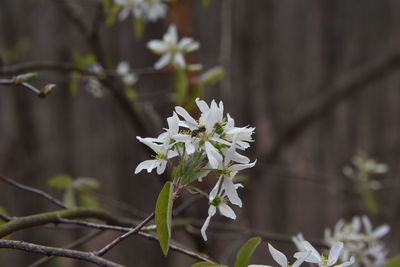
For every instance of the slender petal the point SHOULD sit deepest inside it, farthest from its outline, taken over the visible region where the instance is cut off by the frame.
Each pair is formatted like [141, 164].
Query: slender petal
[213, 155]
[231, 192]
[334, 253]
[278, 256]
[163, 61]
[149, 165]
[227, 211]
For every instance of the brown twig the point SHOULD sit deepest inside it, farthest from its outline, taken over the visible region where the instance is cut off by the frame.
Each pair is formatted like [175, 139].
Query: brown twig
[132, 231]
[342, 89]
[172, 246]
[33, 190]
[60, 252]
[71, 245]
[36, 91]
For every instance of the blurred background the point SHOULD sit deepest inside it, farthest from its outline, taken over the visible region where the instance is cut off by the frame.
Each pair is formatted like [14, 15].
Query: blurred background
[318, 79]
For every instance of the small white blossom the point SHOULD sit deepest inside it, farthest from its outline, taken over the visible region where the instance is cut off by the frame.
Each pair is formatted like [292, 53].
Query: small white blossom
[160, 162]
[148, 10]
[93, 84]
[360, 241]
[281, 259]
[171, 50]
[128, 77]
[217, 201]
[315, 257]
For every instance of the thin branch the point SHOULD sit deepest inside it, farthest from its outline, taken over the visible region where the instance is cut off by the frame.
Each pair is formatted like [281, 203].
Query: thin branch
[20, 223]
[5, 217]
[342, 89]
[71, 245]
[61, 252]
[132, 231]
[172, 246]
[64, 67]
[39, 92]
[33, 190]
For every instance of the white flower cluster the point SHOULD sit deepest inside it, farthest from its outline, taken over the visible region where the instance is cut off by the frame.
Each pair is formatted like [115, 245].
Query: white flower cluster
[360, 241]
[172, 50]
[309, 254]
[362, 169]
[128, 77]
[148, 10]
[93, 85]
[208, 144]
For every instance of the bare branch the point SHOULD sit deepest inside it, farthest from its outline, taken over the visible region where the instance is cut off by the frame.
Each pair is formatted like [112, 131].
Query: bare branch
[20, 223]
[73, 244]
[61, 252]
[39, 92]
[172, 246]
[33, 190]
[132, 231]
[342, 89]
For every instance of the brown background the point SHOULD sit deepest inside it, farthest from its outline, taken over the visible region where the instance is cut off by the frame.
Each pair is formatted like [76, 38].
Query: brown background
[282, 58]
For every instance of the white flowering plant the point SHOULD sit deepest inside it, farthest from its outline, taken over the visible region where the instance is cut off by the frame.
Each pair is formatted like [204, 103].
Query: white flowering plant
[196, 148]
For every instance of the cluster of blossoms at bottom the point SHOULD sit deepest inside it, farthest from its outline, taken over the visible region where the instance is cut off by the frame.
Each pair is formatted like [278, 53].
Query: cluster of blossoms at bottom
[309, 254]
[360, 241]
[197, 147]
[148, 10]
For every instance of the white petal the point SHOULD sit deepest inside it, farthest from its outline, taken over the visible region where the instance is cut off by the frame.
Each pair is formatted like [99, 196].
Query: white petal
[300, 260]
[202, 105]
[157, 46]
[161, 167]
[147, 164]
[347, 263]
[231, 192]
[123, 68]
[179, 60]
[163, 61]
[381, 231]
[214, 191]
[213, 155]
[184, 114]
[367, 224]
[155, 147]
[173, 123]
[334, 253]
[206, 223]
[124, 13]
[278, 256]
[227, 211]
[185, 41]
[239, 167]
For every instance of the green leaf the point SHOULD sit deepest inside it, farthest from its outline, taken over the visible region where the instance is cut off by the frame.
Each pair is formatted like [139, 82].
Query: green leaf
[140, 26]
[181, 84]
[87, 200]
[163, 216]
[4, 212]
[83, 62]
[206, 3]
[190, 171]
[60, 181]
[74, 81]
[24, 77]
[212, 76]
[207, 264]
[394, 262]
[112, 14]
[246, 252]
[69, 197]
[86, 183]
[370, 200]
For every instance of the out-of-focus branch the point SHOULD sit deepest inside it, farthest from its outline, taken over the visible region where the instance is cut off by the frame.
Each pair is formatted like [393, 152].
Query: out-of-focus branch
[33, 190]
[91, 37]
[172, 246]
[344, 88]
[63, 67]
[20, 223]
[119, 239]
[61, 252]
[39, 92]
[71, 245]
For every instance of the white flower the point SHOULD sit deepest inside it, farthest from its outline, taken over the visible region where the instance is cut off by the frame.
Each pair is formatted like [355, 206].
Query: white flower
[315, 257]
[148, 10]
[360, 241]
[163, 155]
[217, 201]
[127, 76]
[298, 241]
[171, 50]
[93, 85]
[281, 259]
